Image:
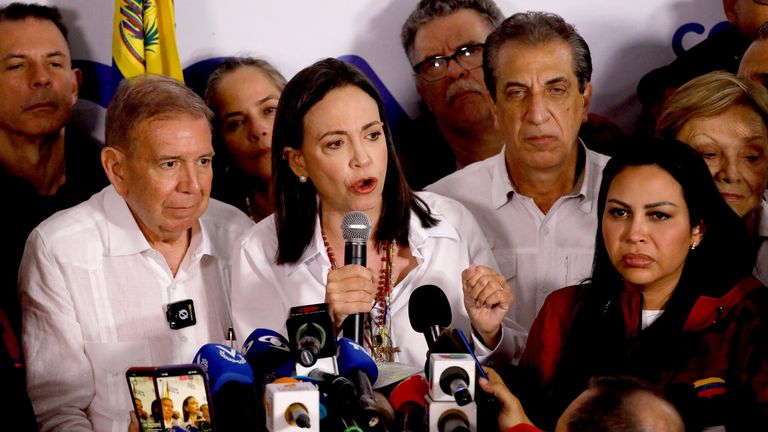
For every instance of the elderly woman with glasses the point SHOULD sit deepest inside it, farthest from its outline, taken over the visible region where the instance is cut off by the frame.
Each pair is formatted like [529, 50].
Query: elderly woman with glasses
[724, 119]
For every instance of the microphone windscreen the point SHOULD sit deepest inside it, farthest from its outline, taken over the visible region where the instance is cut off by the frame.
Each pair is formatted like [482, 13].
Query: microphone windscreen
[223, 364]
[356, 227]
[352, 356]
[411, 389]
[427, 307]
[267, 351]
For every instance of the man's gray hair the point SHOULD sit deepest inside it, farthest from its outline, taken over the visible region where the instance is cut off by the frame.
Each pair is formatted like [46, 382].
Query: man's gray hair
[536, 28]
[149, 97]
[427, 10]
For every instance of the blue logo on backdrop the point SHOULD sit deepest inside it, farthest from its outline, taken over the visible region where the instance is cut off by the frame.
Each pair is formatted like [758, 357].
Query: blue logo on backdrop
[677, 38]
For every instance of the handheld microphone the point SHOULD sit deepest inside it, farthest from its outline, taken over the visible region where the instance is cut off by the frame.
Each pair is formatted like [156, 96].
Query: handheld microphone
[407, 398]
[360, 368]
[486, 402]
[231, 380]
[453, 378]
[356, 229]
[429, 312]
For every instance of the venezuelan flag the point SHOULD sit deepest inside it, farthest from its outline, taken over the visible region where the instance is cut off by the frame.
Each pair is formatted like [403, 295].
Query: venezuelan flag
[144, 39]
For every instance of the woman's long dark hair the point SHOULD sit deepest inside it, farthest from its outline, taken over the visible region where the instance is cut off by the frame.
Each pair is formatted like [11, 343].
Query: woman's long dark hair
[184, 408]
[597, 343]
[296, 202]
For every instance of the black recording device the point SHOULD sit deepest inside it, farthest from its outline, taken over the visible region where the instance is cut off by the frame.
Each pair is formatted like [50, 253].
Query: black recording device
[181, 314]
[310, 333]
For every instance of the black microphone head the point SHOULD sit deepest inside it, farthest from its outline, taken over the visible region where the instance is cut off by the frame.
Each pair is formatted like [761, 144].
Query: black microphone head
[302, 421]
[308, 349]
[428, 307]
[454, 381]
[356, 227]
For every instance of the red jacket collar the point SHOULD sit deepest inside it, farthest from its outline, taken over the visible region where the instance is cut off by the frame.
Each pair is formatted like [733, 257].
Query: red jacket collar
[708, 310]
[705, 312]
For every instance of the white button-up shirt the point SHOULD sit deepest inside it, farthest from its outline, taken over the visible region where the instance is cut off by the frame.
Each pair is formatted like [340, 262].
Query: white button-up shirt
[263, 292]
[93, 293]
[537, 253]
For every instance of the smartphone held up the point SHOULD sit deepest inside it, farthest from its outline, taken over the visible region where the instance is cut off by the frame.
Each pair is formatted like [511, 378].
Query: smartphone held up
[171, 398]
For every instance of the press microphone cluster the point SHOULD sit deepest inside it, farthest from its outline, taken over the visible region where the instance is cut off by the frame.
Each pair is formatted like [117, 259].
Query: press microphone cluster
[259, 388]
[451, 367]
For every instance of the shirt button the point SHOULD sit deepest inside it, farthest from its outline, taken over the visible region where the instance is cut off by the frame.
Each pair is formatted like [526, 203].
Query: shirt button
[545, 231]
[184, 338]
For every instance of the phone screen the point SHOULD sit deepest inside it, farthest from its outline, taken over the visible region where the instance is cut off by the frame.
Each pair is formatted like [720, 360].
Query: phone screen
[184, 400]
[141, 382]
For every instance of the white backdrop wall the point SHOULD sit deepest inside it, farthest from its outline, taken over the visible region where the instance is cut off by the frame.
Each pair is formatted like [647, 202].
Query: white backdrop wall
[627, 38]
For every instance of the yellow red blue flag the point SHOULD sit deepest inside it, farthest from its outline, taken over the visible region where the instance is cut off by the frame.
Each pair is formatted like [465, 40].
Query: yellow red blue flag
[144, 39]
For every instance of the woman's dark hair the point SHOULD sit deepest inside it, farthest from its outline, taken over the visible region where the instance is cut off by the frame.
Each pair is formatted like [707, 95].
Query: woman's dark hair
[597, 342]
[184, 408]
[156, 410]
[296, 202]
[724, 255]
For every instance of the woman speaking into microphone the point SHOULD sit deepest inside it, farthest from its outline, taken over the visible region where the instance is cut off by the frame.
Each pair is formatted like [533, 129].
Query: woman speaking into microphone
[332, 153]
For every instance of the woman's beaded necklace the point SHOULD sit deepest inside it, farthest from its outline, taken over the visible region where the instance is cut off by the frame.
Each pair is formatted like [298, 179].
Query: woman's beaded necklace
[378, 327]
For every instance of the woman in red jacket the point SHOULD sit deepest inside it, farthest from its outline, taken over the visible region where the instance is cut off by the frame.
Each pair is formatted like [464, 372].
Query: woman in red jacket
[670, 299]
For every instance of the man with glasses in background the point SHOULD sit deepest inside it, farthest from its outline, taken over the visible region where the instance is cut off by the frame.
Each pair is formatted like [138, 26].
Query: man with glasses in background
[536, 200]
[444, 42]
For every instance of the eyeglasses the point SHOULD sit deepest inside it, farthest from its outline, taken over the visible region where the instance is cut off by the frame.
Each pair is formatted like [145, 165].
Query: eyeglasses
[436, 68]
